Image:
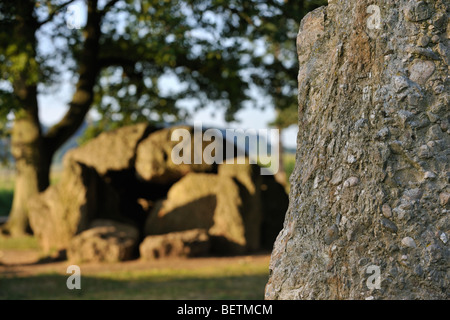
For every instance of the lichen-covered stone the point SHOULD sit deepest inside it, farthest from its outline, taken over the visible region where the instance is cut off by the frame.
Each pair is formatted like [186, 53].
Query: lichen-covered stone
[111, 151]
[186, 244]
[379, 93]
[104, 241]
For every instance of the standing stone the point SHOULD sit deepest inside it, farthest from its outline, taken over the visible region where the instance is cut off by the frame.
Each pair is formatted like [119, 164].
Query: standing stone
[113, 150]
[68, 208]
[361, 72]
[154, 161]
[205, 201]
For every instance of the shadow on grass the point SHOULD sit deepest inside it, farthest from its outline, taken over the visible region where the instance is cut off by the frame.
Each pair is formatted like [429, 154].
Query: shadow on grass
[6, 198]
[150, 287]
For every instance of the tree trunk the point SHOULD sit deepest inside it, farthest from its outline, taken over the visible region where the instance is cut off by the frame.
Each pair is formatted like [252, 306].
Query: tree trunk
[33, 152]
[32, 164]
[369, 202]
[32, 172]
[32, 161]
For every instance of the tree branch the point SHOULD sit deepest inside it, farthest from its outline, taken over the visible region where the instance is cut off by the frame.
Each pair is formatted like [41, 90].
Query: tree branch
[84, 93]
[108, 6]
[54, 13]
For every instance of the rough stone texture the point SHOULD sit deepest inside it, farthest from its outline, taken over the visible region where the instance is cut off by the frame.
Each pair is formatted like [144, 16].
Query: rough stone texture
[249, 182]
[68, 208]
[154, 158]
[371, 182]
[111, 151]
[104, 241]
[186, 244]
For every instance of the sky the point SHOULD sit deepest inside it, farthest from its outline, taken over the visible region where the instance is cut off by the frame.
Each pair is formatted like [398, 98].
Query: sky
[53, 106]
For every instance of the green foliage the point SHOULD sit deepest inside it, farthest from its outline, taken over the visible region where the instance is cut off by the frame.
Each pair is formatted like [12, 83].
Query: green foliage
[6, 197]
[225, 54]
[19, 243]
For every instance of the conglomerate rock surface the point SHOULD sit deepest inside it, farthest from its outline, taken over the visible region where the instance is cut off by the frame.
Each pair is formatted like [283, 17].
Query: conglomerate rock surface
[369, 204]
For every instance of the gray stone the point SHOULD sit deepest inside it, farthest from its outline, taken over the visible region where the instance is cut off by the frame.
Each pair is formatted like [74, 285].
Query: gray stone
[443, 237]
[383, 133]
[444, 198]
[339, 66]
[444, 51]
[351, 182]
[421, 71]
[389, 225]
[423, 41]
[417, 11]
[387, 212]
[409, 242]
[400, 83]
[331, 234]
[337, 177]
[429, 175]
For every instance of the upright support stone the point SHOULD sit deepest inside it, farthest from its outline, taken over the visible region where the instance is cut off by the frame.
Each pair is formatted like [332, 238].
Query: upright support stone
[368, 216]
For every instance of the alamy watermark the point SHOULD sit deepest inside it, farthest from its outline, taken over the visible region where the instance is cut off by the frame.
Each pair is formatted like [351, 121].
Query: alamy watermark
[374, 20]
[74, 281]
[250, 144]
[374, 281]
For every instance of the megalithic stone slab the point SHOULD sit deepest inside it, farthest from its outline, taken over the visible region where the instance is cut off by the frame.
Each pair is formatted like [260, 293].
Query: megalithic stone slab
[368, 216]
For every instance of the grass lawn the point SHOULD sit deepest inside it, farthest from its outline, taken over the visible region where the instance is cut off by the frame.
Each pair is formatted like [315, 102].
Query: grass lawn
[238, 278]
[240, 282]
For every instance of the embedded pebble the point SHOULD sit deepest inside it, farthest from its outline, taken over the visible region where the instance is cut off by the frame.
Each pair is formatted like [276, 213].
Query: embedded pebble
[429, 175]
[386, 209]
[423, 41]
[424, 152]
[383, 133]
[351, 182]
[331, 234]
[421, 70]
[337, 177]
[443, 198]
[417, 11]
[443, 237]
[409, 242]
[413, 194]
[400, 83]
[351, 159]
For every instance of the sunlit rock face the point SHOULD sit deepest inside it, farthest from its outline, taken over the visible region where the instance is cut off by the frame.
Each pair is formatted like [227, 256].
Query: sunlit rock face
[368, 214]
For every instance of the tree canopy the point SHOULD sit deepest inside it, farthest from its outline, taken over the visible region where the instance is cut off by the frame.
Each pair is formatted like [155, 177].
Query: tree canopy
[217, 53]
[223, 53]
